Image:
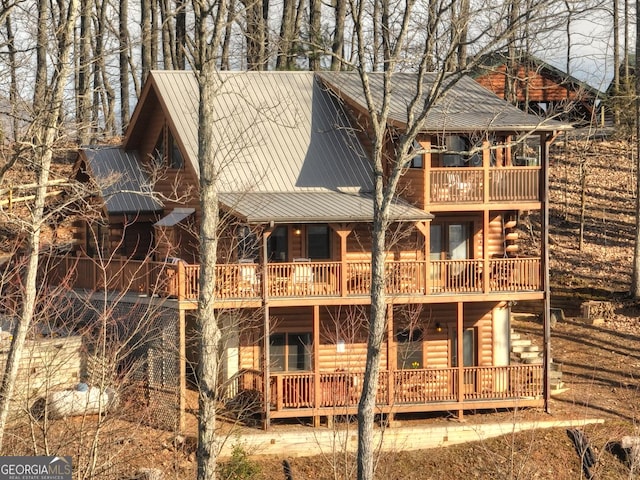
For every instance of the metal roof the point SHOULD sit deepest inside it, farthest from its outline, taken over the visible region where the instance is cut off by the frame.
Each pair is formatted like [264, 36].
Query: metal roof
[313, 207]
[465, 106]
[123, 185]
[275, 131]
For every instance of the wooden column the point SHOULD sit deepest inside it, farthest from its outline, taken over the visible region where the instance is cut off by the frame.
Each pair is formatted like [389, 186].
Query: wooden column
[343, 232]
[485, 251]
[425, 229]
[391, 360]
[544, 196]
[460, 355]
[266, 329]
[316, 364]
[182, 329]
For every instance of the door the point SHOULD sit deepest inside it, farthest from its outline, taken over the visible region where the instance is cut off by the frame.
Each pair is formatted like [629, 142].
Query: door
[449, 241]
[469, 355]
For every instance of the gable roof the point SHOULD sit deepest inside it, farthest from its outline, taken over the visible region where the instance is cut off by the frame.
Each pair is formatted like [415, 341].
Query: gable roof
[280, 137]
[123, 185]
[467, 106]
[493, 61]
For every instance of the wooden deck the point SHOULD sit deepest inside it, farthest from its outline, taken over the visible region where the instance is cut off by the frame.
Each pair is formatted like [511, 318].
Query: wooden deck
[480, 185]
[414, 390]
[301, 280]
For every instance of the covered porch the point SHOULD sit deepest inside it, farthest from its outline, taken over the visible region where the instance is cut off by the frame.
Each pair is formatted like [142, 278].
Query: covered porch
[441, 357]
[309, 279]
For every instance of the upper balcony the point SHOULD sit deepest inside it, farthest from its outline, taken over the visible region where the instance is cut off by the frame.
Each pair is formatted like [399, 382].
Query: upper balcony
[472, 185]
[246, 282]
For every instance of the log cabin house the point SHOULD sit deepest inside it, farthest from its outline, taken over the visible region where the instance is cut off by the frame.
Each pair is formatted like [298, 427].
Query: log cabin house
[538, 87]
[293, 276]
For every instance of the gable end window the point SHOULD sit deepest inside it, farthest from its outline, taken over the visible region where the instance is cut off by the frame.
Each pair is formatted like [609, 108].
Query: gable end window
[166, 153]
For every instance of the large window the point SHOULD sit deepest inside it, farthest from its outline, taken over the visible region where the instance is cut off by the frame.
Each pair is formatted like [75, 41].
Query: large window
[166, 152]
[318, 242]
[290, 352]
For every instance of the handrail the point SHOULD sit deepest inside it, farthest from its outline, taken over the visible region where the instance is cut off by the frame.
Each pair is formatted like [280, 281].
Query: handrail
[294, 390]
[453, 185]
[237, 282]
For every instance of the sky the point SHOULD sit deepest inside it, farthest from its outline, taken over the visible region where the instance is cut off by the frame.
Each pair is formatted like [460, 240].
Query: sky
[591, 53]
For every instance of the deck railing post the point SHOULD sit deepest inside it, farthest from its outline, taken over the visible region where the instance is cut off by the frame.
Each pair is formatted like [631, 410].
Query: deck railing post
[182, 279]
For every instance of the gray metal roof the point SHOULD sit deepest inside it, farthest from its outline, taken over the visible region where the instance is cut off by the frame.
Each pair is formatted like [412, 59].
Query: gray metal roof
[313, 207]
[466, 106]
[275, 131]
[124, 187]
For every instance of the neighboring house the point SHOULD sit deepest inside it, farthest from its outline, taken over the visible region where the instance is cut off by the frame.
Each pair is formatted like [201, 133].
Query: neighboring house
[540, 88]
[293, 273]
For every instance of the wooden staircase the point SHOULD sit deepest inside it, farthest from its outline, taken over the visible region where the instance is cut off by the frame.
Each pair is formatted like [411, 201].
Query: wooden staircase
[523, 350]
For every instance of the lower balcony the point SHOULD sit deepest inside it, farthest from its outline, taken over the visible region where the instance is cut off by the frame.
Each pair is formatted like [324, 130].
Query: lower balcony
[415, 390]
[300, 280]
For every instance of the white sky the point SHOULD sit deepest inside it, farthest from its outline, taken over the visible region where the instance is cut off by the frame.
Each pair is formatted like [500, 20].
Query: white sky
[591, 53]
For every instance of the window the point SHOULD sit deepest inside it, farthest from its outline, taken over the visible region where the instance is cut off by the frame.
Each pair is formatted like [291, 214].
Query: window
[418, 160]
[166, 152]
[458, 153]
[450, 241]
[290, 352]
[409, 349]
[318, 241]
[277, 249]
[248, 247]
[468, 348]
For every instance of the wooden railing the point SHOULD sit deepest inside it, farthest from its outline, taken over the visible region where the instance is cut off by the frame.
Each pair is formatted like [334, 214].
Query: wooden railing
[299, 279]
[295, 390]
[467, 185]
[459, 276]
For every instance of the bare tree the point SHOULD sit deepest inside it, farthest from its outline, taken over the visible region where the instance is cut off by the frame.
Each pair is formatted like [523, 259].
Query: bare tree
[635, 276]
[45, 131]
[494, 28]
[210, 23]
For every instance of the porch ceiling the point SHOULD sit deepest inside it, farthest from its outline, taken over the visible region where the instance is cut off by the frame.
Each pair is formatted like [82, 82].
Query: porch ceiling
[313, 207]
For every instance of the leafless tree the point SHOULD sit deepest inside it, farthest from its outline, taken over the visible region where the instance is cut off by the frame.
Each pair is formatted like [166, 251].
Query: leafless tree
[493, 29]
[635, 277]
[210, 23]
[45, 131]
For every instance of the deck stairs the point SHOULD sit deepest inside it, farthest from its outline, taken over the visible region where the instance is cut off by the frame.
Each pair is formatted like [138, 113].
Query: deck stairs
[524, 350]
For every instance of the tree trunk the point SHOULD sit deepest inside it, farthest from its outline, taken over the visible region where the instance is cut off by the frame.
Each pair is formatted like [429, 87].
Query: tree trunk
[40, 85]
[84, 68]
[181, 34]
[208, 42]
[208, 330]
[377, 328]
[315, 8]
[616, 64]
[123, 56]
[635, 277]
[168, 40]
[145, 25]
[13, 87]
[47, 130]
[338, 36]
[287, 33]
